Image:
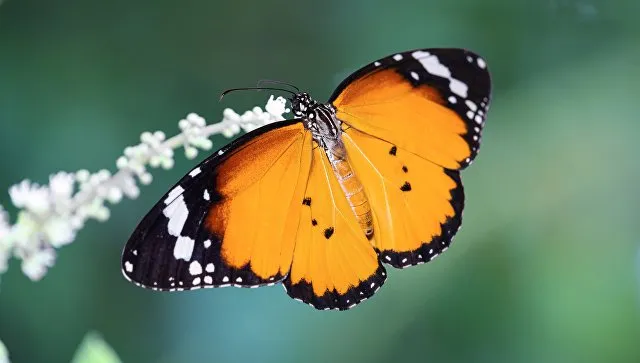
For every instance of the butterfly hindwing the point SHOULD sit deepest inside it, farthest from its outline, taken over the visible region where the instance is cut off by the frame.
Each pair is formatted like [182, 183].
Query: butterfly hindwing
[230, 221]
[416, 204]
[334, 265]
[432, 102]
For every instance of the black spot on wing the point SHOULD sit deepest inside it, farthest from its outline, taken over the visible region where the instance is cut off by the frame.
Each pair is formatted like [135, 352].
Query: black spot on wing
[314, 222]
[393, 150]
[405, 169]
[306, 201]
[405, 187]
[328, 232]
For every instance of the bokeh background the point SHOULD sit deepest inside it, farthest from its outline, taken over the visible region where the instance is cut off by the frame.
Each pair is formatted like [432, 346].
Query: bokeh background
[546, 268]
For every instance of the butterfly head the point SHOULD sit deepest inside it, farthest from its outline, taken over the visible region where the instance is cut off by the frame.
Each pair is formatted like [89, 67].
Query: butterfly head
[302, 105]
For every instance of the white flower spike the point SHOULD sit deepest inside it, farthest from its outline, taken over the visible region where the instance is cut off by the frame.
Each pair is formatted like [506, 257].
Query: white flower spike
[51, 215]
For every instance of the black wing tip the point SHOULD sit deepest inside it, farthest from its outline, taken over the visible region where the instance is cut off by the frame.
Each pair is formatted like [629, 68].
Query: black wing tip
[303, 292]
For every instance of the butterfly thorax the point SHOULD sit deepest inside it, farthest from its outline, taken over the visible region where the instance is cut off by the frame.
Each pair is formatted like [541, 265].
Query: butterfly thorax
[320, 119]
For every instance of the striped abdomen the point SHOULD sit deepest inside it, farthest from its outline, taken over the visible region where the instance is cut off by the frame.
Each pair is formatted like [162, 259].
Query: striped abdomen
[352, 188]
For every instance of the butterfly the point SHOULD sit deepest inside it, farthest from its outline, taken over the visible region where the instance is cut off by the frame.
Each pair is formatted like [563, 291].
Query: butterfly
[322, 202]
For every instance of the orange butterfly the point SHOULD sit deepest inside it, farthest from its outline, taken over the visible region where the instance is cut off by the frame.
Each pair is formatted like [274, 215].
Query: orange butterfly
[320, 202]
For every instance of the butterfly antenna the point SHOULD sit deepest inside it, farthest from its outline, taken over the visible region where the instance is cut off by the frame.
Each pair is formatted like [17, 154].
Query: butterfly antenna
[273, 81]
[254, 88]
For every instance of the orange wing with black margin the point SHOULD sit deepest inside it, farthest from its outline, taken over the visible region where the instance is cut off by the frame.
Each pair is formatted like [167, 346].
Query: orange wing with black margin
[231, 221]
[411, 122]
[431, 102]
[334, 265]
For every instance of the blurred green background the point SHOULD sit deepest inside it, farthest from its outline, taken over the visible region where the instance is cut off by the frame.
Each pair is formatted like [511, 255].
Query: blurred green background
[546, 268]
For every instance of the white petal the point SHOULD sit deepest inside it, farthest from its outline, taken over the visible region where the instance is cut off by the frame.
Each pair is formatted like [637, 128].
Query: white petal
[61, 185]
[58, 231]
[36, 264]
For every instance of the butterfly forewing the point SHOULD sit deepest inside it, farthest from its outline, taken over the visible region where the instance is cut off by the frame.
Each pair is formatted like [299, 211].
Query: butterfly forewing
[225, 223]
[432, 102]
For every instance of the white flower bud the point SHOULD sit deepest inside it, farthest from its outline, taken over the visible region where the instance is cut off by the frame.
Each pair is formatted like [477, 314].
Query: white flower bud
[61, 186]
[35, 264]
[145, 178]
[146, 137]
[227, 132]
[190, 152]
[231, 115]
[104, 174]
[58, 231]
[167, 163]
[101, 213]
[121, 163]
[115, 195]
[154, 161]
[82, 175]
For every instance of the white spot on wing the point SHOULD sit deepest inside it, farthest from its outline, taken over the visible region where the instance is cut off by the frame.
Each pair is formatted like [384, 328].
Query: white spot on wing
[377, 64]
[207, 243]
[239, 279]
[195, 268]
[458, 87]
[415, 76]
[184, 248]
[397, 57]
[481, 63]
[177, 213]
[208, 280]
[128, 266]
[196, 281]
[195, 172]
[210, 267]
[432, 64]
[452, 99]
[225, 279]
[205, 195]
[472, 106]
[173, 194]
